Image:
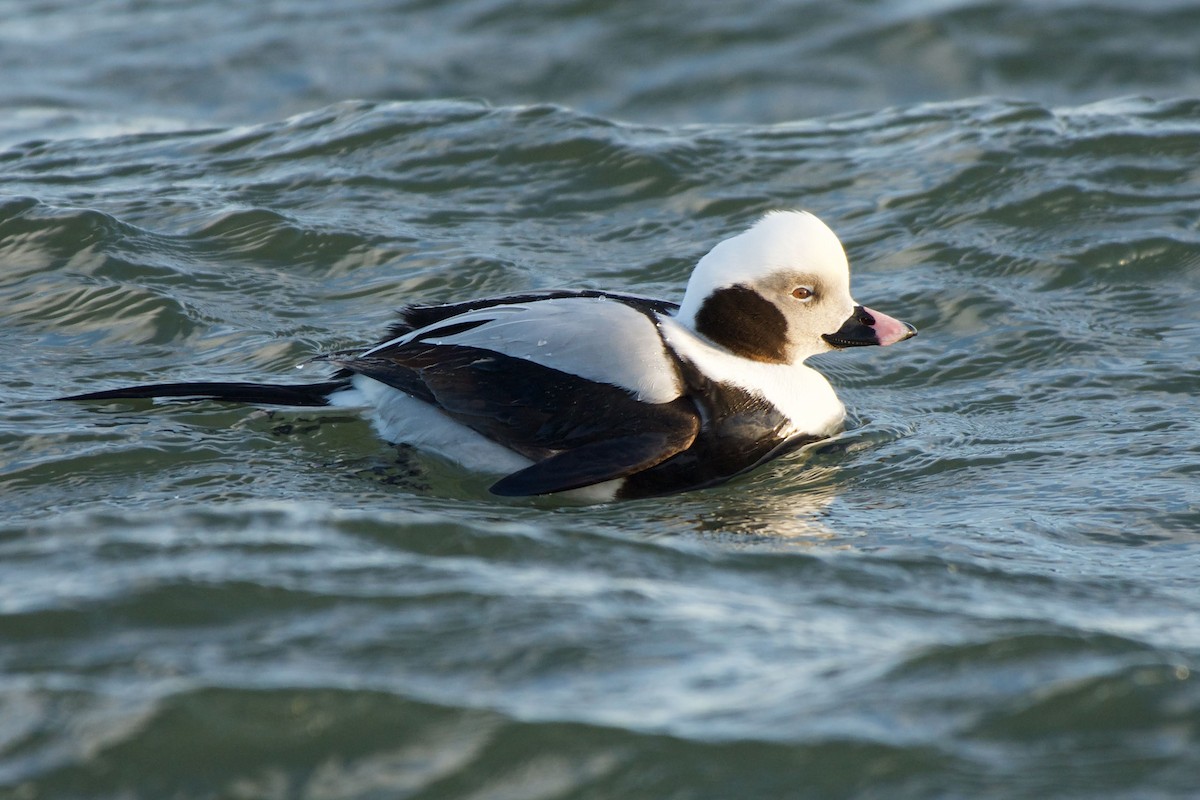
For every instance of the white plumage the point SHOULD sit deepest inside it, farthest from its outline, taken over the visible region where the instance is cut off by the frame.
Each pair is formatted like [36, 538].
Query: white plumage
[608, 394]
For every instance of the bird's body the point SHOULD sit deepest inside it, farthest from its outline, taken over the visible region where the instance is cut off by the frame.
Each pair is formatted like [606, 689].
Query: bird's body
[606, 394]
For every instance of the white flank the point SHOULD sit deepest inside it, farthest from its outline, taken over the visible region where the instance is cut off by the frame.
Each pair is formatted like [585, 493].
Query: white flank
[401, 419]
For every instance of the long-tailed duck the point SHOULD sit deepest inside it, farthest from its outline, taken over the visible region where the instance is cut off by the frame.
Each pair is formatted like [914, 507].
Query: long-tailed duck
[624, 395]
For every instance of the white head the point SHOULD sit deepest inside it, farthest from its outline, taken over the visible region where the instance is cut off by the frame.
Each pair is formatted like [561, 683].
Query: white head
[780, 292]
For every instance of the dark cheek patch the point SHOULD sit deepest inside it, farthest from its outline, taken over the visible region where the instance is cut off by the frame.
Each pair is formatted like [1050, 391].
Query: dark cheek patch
[744, 322]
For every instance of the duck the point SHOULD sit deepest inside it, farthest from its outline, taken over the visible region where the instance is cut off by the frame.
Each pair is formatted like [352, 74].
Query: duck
[608, 395]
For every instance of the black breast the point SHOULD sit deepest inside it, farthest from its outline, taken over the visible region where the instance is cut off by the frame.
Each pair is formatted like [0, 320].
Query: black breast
[740, 431]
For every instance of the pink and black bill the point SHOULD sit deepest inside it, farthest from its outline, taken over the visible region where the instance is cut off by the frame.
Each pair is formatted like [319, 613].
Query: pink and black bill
[868, 327]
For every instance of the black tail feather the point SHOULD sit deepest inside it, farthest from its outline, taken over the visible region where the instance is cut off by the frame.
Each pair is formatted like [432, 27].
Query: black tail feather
[308, 394]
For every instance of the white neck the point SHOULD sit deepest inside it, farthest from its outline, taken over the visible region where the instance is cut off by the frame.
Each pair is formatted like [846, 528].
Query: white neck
[797, 390]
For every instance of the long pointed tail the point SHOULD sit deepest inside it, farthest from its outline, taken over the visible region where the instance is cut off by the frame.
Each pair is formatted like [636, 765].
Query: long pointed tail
[308, 394]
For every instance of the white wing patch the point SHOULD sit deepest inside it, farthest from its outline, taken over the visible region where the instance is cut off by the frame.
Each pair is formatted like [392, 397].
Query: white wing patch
[595, 338]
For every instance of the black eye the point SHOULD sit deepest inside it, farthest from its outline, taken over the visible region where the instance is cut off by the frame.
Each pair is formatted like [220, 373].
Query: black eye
[802, 293]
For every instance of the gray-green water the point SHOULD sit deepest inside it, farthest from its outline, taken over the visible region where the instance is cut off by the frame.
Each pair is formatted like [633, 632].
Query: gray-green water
[988, 588]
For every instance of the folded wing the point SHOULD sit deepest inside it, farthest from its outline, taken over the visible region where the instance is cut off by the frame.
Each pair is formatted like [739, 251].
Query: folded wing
[582, 386]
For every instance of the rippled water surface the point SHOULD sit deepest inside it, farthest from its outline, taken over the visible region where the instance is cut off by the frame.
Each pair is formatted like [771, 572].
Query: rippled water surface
[986, 588]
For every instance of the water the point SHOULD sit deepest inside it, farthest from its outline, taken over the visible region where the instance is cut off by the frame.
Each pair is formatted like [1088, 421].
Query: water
[986, 588]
